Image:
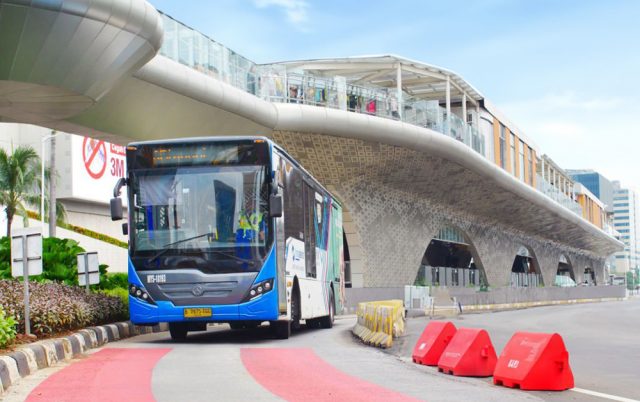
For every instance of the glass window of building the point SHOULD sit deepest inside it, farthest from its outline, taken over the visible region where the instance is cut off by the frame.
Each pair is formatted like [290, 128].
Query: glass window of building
[521, 151]
[531, 173]
[170, 42]
[185, 45]
[503, 145]
[513, 154]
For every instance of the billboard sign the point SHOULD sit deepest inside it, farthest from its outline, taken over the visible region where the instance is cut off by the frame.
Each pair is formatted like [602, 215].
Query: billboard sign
[96, 167]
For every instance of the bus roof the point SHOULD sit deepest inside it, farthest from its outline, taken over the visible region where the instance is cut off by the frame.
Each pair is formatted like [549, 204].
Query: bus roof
[192, 140]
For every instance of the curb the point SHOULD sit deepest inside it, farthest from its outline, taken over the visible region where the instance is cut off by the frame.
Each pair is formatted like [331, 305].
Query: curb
[447, 312]
[29, 358]
[512, 306]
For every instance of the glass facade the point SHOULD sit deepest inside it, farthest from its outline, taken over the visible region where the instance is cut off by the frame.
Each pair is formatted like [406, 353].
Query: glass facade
[513, 154]
[451, 235]
[521, 152]
[530, 166]
[503, 146]
[561, 198]
[275, 84]
[191, 48]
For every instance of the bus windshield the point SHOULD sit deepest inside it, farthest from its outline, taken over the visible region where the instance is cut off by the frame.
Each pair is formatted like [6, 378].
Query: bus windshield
[211, 218]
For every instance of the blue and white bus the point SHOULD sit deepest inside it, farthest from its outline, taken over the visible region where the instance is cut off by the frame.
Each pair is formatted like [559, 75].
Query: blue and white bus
[229, 229]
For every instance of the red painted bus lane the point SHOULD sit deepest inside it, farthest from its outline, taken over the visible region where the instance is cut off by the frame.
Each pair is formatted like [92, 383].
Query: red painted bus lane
[300, 375]
[108, 375]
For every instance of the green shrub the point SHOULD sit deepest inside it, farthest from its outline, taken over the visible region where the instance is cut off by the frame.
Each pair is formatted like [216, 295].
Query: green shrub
[5, 258]
[59, 261]
[112, 281]
[57, 307]
[59, 264]
[59, 258]
[7, 329]
[122, 293]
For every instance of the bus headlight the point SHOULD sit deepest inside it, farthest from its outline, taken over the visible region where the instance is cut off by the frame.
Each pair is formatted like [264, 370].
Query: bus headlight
[259, 289]
[140, 293]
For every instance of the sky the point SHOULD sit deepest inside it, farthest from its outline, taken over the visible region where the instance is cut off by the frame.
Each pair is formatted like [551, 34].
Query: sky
[567, 73]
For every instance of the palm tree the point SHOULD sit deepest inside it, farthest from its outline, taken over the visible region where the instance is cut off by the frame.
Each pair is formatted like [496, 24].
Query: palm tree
[20, 184]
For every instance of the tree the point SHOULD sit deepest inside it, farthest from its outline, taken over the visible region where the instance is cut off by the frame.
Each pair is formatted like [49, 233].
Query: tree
[20, 184]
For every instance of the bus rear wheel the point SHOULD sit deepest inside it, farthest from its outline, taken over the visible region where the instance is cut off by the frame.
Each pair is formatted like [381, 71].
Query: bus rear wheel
[178, 331]
[313, 323]
[327, 321]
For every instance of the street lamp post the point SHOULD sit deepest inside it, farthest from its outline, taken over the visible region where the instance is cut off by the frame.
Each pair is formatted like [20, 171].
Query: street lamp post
[42, 162]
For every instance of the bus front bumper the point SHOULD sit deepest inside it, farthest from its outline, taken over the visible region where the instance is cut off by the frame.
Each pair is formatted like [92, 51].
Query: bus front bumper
[262, 308]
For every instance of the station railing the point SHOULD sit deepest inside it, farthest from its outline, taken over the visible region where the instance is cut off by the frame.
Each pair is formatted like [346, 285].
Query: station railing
[525, 279]
[561, 198]
[455, 277]
[272, 82]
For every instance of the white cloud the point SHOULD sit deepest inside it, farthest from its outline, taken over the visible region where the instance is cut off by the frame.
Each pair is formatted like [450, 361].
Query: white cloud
[296, 10]
[576, 131]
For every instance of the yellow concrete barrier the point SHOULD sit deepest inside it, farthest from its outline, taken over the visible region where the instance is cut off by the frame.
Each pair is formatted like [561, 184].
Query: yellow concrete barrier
[379, 322]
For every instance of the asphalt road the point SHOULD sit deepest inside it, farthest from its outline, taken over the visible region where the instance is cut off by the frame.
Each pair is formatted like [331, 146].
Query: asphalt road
[330, 365]
[225, 365]
[603, 340]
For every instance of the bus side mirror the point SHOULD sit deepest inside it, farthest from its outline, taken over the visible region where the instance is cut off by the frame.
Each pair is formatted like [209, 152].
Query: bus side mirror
[116, 209]
[125, 229]
[275, 206]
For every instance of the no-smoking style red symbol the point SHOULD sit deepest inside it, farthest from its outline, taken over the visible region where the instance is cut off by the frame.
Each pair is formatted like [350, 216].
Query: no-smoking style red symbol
[94, 156]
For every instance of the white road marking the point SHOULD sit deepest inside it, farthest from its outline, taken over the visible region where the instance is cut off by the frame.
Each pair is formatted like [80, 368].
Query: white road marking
[606, 396]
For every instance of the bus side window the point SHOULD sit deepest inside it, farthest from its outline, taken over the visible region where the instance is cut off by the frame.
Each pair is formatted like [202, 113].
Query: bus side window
[293, 204]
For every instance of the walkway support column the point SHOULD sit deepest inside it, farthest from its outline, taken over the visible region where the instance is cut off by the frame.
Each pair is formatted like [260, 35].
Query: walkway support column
[399, 89]
[448, 101]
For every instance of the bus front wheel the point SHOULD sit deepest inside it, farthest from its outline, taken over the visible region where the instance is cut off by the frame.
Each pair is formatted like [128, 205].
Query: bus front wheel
[281, 329]
[178, 331]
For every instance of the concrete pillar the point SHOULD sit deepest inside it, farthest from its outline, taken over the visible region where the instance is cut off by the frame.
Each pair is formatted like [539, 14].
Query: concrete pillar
[493, 251]
[467, 132]
[448, 106]
[464, 109]
[548, 259]
[399, 89]
[394, 231]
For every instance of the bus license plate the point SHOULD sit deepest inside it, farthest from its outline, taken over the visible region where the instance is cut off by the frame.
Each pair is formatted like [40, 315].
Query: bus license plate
[197, 312]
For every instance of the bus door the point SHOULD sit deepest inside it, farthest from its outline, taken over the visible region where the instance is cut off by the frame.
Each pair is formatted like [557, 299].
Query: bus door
[280, 261]
[309, 231]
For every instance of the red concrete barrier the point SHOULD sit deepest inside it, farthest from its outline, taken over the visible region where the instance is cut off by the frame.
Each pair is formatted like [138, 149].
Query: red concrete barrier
[470, 353]
[432, 342]
[534, 361]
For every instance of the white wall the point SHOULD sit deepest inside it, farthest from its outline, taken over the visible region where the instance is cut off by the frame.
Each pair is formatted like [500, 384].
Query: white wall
[86, 199]
[114, 256]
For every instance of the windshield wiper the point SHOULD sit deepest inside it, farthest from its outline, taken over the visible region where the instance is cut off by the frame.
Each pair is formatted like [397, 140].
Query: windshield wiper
[164, 250]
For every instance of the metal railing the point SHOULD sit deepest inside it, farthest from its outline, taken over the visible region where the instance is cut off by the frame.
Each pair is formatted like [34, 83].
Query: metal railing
[524, 279]
[456, 277]
[275, 84]
[278, 85]
[561, 198]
